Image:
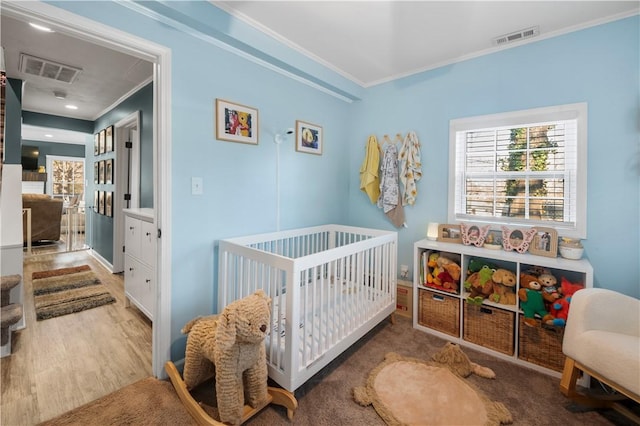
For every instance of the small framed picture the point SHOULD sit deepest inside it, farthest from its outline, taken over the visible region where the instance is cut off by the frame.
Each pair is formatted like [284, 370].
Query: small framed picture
[545, 242]
[449, 233]
[308, 138]
[96, 144]
[96, 201]
[493, 240]
[108, 171]
[517, 239]
[473, 234]
[108, 204]
[101, 202]
[101, 172]
[236, 123]
[102, 141]
[96, 172]
[109, 139]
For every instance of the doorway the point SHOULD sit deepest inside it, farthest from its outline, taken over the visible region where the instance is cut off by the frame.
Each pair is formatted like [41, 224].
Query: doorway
[160, 56]
[65, 180]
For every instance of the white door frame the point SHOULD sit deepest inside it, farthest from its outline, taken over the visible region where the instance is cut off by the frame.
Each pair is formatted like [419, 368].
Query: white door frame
[101, 34]
[123, 131]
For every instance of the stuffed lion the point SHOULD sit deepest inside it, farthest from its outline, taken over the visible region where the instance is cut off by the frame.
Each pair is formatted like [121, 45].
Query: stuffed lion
[232, 345]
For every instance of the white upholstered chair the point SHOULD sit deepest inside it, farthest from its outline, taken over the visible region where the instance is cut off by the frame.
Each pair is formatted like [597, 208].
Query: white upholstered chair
[602, 339]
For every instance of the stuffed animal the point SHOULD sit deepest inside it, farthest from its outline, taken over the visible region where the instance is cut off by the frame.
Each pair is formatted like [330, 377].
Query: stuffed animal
[449, 274]
[479, 285]
[476, 264]
[549, 288]
[560, 308]
[531, 301]
[233, 342]
[504, 284]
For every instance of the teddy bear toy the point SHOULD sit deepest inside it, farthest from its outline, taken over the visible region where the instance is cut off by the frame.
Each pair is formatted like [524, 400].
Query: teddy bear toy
[243, 123]
[560, 308]
[504, 284]
[531, 301]
[479, 285]
[450, 273]
[231, 345]
[549, 288]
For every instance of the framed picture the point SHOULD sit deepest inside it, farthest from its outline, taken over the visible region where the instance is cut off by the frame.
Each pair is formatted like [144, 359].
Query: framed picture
[449, 233]
[101, 171]
[102, 141]
[96, 172]
[96, 144]
[308, 138]
[236, 123]
[517, 239]
[493, 240]
[108, 204]
[108, 171]
[96, 201]
[473, 234]
[101, 202]
[545, 242]
[109, 139]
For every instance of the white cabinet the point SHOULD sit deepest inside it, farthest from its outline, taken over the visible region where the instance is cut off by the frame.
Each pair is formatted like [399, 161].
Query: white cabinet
[139, 259]
[443, 309]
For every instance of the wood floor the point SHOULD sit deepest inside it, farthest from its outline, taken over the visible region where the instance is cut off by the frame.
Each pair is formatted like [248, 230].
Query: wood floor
[61, 363]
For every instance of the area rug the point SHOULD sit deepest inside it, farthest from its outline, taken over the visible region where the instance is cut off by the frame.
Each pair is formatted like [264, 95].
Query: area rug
[147, 402]
[410, 391]
[65, 291]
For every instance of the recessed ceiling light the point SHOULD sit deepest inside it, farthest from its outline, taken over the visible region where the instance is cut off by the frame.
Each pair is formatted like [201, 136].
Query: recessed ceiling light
[71, 107]
[59, 95]
[48, 135]
[41, 27]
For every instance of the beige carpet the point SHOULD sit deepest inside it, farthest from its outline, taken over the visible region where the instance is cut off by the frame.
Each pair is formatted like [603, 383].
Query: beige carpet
[146, 402]
[67, 290]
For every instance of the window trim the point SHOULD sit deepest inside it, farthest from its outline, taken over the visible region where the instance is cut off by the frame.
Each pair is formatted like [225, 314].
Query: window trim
[49, 161]
[577, 111]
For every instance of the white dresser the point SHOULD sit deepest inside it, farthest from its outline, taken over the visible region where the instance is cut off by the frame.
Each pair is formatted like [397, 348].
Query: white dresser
[140, 259]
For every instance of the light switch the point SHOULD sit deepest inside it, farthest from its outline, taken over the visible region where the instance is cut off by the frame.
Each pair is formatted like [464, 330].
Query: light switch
[196, 186]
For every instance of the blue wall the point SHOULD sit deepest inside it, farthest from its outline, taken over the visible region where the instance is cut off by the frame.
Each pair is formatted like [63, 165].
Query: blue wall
[13, 122]
[599, 66]
[239, 180]
[55, 148]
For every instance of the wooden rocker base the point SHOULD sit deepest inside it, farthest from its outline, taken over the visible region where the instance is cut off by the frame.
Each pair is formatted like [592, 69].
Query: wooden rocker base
[570, 375]
[277, 396]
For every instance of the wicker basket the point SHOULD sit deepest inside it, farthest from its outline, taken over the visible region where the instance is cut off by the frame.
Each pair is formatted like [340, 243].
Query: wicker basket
[493, 328]
[439, 312]
[541, 345]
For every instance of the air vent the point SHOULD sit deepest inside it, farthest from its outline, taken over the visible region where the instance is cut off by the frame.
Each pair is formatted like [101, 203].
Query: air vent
[516, 36]
[48, 69]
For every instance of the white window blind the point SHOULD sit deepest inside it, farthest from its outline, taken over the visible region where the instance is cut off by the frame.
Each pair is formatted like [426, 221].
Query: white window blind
[522, 168]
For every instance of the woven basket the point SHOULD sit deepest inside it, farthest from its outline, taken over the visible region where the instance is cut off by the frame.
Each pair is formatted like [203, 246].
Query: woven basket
[541, 345]
[493, 328]
[439, 312]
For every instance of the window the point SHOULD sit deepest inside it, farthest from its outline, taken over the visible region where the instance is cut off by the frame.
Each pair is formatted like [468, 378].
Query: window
[521, 168]
[66, 176]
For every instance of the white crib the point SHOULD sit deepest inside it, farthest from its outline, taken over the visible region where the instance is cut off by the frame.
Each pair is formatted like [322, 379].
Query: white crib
[337, 282]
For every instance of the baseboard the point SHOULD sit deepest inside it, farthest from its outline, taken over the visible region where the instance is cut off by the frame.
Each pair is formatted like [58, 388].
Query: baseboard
[104, 262]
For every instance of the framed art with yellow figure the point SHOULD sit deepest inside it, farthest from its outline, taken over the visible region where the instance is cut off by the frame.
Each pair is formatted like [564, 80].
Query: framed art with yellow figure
[308, 138]
[236, 123]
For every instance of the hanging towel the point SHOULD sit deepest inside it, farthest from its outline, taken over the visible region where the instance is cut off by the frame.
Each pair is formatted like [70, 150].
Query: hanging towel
[369, 179]
[389, 200]
[410, 168]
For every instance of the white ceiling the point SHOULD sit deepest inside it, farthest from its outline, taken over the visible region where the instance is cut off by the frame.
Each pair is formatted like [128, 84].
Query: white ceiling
[368, 42]
[107, 76]
[371, 42]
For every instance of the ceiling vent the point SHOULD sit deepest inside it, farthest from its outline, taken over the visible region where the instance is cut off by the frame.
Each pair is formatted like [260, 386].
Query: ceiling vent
[516, 36]
[48, 69]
